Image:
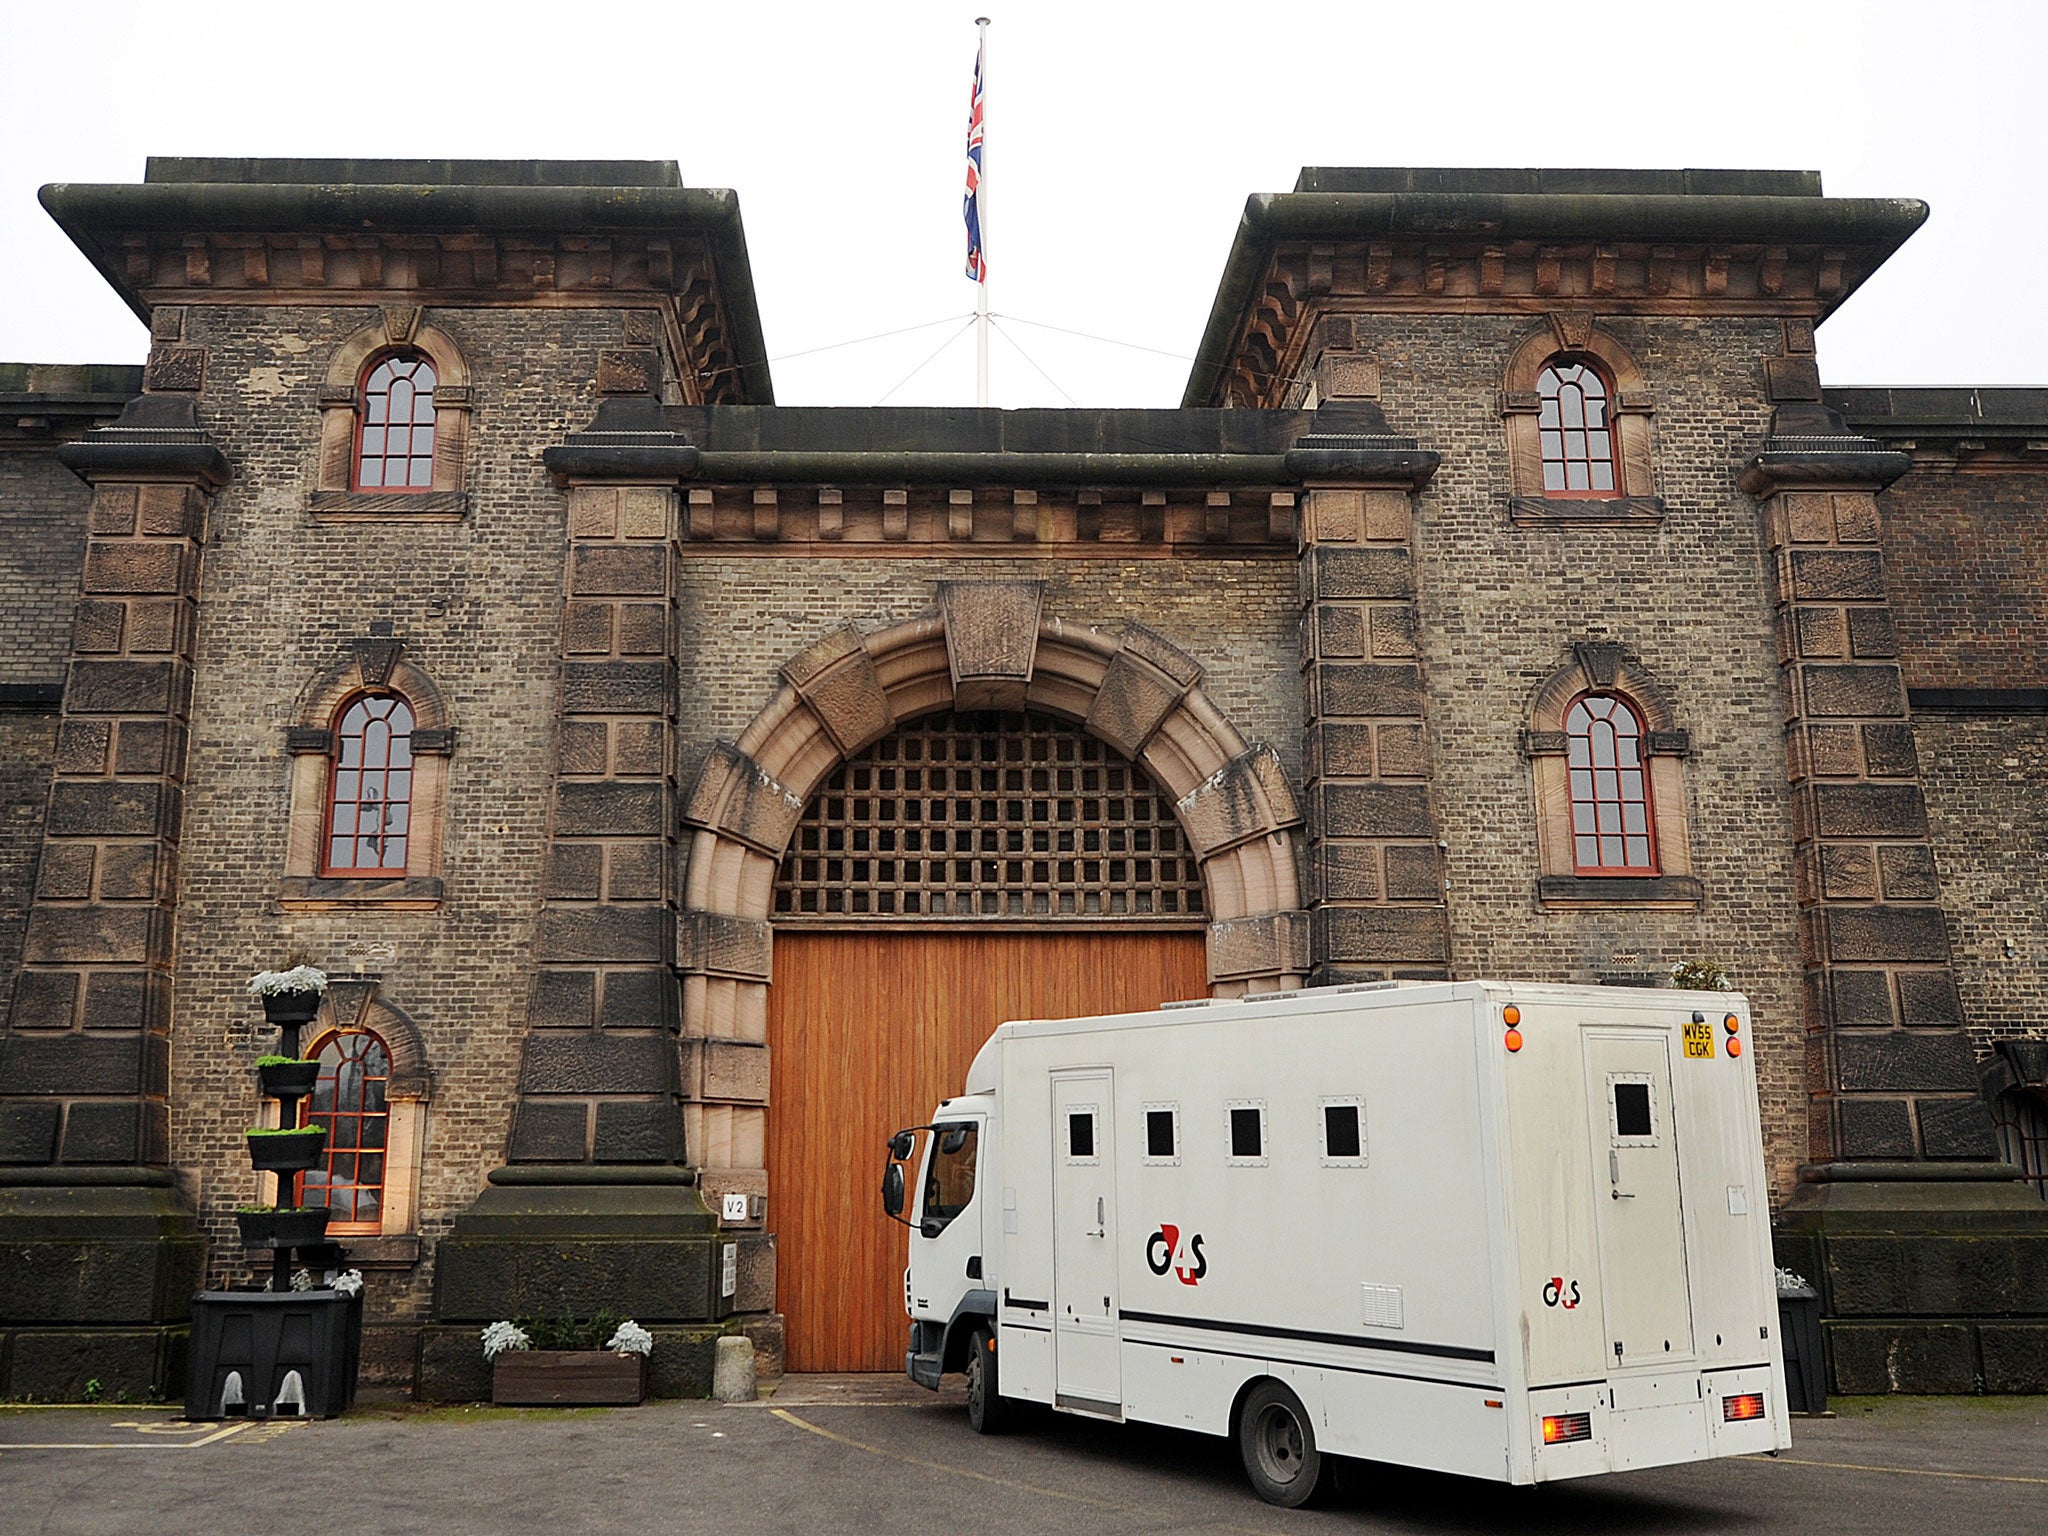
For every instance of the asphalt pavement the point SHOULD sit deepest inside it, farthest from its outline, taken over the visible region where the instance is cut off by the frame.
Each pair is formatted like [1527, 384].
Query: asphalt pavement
[826, 1456]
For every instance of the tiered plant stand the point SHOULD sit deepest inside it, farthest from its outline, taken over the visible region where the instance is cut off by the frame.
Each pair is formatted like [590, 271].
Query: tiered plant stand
[279, 1353]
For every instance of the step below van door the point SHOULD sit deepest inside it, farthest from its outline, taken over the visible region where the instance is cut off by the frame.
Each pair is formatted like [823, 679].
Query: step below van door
[1636, 1193]
[1084, 1302]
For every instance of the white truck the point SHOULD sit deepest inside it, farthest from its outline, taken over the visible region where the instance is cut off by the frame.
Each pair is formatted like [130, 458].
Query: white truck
[1513, 1231]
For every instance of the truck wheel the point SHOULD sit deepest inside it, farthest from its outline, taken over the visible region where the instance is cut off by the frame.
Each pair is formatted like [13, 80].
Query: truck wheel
[1279, 1447]
[988, 1412]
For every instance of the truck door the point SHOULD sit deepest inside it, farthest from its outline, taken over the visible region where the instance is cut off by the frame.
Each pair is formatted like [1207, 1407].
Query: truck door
[1085, 1342]
[1641, 1217]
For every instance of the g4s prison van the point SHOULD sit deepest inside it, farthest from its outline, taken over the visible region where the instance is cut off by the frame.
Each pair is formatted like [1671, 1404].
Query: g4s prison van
[1512, 1231]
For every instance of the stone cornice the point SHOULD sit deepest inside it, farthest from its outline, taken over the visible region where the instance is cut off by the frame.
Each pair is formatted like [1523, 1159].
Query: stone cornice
[681, 247]
[1298, 255]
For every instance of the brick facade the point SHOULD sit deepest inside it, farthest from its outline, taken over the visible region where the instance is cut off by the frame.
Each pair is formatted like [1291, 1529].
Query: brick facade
[641, 612]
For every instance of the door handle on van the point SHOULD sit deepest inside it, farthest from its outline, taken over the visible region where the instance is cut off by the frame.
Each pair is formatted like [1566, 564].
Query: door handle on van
[1101, 1227]
[1614, 1176]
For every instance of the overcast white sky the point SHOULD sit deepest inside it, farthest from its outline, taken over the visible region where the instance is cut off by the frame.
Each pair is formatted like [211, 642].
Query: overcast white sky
[1123, 141]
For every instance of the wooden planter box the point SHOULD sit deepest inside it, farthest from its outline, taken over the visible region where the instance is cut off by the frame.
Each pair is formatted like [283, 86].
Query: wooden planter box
[541, 1378]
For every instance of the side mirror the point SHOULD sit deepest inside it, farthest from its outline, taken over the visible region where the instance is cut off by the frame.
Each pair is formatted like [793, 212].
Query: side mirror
[900, 1145]
[953, 1141]
[892, 1189]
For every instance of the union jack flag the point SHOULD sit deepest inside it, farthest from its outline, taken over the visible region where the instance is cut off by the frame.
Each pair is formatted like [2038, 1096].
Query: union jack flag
[977, 259]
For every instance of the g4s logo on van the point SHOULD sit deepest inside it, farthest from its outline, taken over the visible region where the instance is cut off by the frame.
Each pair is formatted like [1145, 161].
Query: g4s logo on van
[1164, 1251]
[1561, 1292]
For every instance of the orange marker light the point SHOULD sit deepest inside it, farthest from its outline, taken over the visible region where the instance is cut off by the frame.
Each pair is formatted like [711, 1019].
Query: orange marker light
[1734, 1047]
[1732, 1024]
[1563, 1428]
[1750, 1405]
[1511, 1015]
[1513, 1040]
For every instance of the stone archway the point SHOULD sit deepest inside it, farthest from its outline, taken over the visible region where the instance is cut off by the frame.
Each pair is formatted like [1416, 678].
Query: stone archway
[988, 646]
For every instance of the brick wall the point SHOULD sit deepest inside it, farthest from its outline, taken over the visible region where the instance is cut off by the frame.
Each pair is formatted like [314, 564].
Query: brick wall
[1966, 553]
[1499, 607]
[477, 603]
[42, 540]
[1986, 782]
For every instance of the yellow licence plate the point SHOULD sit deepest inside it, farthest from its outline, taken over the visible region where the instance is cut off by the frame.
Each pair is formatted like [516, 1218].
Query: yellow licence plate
[1699, 1040]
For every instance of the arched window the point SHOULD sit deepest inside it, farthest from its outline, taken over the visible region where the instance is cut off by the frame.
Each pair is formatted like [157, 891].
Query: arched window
[370, 798]
[395, 430]
[1612, 832]
[349, 1099]
[1576, 429]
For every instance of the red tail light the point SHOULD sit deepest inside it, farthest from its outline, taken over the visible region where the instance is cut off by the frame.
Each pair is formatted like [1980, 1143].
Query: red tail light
[1563, 1428]
[1750, 1405]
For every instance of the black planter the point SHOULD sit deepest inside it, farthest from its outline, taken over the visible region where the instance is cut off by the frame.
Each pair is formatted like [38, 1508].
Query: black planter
[1806, 1372]
[264, 1355]
[301, 1228]
[291, 1007]
[288, 1154]
[288, 1079]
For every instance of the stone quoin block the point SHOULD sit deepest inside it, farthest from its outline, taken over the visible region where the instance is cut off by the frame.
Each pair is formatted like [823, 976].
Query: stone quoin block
[1346, 872]
[1350, 688]
[1839, 690]
[1929, 999]
[28, 1132]
[621, 934]
[1380, 936]
[1357, 573]
[99, 935]
[1900, 1061]
[1822, 575]
[71, 1064]
[103, 1133]
[589, 1062]
[1859, 999]
[1889, 751]
[633, 809]
[45, 1000]
[549, 1133]
[618, 570]
[1958, 1128]
[1376, 810]
[1906, 934]
[637, 1131]
[122, 687]
[639, 999]
[1875, 1128]
[1869, 810]
[615, 687]
[135, 569]
[108, 808]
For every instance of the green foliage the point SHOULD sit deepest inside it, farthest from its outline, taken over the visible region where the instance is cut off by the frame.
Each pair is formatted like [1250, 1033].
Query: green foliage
[568, 1332]
[1707, 975]
[93, 1390]
[287, 1130]
[284, 1061]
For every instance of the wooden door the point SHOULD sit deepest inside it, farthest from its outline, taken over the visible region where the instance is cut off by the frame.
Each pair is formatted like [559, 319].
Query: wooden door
[868, 1033]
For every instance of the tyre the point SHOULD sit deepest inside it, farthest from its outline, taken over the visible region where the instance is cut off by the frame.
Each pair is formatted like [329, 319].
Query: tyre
[988, 1412]
[1278, 1445]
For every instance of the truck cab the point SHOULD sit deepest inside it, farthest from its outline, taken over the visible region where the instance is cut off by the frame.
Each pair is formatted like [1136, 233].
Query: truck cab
[935, 1184]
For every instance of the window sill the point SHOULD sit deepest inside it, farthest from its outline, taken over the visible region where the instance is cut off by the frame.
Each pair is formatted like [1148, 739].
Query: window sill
[1586, 511]
[324, 893]
[1565, 892]
[389, 506]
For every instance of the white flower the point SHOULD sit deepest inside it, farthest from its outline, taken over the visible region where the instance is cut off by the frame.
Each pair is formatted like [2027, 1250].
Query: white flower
[1790, 1284]
[501, 1336]
[348, 1282]
[302, 1280]
[300, 978]
[631, 1339]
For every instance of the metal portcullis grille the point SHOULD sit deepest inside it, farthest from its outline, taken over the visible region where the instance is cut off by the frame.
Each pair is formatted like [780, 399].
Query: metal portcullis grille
[989, 815]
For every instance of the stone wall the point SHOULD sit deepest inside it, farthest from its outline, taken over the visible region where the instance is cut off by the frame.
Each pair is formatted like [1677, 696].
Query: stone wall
[1500, 608]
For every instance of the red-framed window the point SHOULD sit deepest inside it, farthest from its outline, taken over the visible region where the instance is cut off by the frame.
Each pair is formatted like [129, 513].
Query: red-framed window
[1613, 829]
[1576, 421]
[395, 426]
[349, 1099]
[369, 800]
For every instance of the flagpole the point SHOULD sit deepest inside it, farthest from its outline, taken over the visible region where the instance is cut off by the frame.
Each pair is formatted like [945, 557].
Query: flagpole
[981, 200]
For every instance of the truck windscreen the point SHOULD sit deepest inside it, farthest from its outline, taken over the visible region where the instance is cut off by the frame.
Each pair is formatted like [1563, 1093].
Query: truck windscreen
[949, 1178]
